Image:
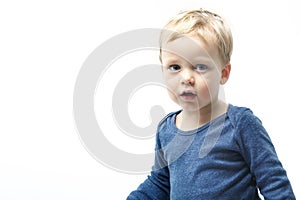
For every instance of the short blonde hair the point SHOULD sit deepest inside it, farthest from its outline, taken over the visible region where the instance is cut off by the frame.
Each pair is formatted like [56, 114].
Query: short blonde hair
[207, 25]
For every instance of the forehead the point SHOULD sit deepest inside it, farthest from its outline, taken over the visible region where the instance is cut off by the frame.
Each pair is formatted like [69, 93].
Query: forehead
[190, 48]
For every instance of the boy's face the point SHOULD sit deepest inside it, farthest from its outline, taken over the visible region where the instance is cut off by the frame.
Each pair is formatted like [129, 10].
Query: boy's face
[192, 71]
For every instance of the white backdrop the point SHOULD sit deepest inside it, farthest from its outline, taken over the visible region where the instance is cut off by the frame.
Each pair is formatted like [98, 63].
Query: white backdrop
[43, 46]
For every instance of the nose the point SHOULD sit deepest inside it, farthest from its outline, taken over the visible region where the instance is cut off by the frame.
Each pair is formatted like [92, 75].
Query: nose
[187, 77]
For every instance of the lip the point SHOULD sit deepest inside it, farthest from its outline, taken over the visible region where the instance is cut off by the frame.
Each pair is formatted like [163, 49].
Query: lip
[188, 95]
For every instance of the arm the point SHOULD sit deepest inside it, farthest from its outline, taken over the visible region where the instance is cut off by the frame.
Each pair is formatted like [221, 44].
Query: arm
[156, 186]
[259, 153]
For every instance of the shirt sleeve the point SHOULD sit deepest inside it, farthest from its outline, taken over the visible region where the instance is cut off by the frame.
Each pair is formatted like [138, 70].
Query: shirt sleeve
[157, 185]
[260, 155]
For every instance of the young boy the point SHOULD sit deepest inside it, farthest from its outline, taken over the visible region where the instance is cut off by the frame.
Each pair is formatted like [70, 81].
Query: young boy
[209, 149]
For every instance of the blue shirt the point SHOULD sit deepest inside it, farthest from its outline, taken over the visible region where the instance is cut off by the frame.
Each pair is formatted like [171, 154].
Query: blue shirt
[229, 158]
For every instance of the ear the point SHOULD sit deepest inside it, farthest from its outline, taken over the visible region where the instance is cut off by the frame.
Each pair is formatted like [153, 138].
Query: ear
[225, 73]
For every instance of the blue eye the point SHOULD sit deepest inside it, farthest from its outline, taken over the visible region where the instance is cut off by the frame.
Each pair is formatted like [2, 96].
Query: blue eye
[200, 67]
[174, 67]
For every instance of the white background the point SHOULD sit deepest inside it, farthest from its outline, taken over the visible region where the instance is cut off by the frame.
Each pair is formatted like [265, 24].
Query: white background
[43, 46]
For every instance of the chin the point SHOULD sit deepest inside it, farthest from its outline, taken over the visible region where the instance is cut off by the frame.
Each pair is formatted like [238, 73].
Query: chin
[190, 108]
[193, 107]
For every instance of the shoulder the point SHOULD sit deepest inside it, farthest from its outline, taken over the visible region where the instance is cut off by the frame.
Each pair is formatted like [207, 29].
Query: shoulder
[167, 120]
[164, 128]
[246, 124]
[239, 115]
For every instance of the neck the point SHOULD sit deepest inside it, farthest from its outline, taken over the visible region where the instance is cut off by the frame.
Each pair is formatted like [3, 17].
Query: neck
[190, 120]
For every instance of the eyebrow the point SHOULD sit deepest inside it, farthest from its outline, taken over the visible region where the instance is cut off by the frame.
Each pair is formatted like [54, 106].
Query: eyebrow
[171, 59]
[203, 58]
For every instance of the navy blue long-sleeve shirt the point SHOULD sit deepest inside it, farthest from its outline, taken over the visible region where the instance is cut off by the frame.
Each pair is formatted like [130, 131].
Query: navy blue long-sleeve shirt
[229, 158]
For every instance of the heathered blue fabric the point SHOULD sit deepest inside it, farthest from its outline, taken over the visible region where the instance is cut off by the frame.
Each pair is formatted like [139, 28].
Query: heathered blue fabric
[228, 158]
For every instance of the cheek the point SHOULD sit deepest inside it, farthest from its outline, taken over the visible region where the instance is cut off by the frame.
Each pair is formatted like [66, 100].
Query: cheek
[170, 82]
[212, 83]
[171, 88]
[211, 89]
[208, 88]
[173, 96]
[204, 90]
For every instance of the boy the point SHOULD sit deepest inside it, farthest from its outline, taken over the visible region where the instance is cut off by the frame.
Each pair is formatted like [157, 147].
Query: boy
[208, 149]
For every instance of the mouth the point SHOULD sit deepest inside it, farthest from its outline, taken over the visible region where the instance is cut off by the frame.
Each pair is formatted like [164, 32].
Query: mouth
[188, 95]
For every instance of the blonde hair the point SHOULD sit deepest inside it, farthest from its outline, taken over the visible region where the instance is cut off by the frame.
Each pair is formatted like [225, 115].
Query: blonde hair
[207, 25]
